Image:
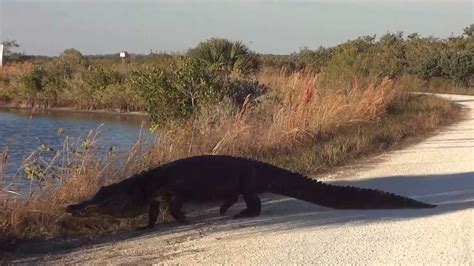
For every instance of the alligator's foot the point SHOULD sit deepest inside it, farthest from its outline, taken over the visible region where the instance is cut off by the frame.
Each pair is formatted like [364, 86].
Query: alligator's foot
[254, 206]
[143, 228]
[183, 221]
[223, 210]
[228, 203]
[246, 214]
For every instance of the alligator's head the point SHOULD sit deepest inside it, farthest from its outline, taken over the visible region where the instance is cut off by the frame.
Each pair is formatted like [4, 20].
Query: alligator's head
[117, 200]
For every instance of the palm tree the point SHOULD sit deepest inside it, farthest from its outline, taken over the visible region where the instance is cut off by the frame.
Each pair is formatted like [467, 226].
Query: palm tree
[232, 58]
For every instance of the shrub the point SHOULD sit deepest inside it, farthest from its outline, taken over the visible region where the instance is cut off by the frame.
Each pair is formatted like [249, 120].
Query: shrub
[200, 85]
[457, 65]
[152, 86]
[352, 59]
[315, 59]
[240, 89]
[430, 67]
[119, 96]
[33, 83]
[178, 95]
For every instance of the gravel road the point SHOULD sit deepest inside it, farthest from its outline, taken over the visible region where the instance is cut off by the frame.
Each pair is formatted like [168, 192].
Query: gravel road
[438, 170]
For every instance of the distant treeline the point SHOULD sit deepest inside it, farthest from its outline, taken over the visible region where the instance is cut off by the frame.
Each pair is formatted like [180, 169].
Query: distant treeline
[173, 85]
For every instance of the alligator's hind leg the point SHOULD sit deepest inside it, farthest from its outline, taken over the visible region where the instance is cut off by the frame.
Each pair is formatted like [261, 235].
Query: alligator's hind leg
[248, 189]
[176, 205]
[254, 206]
[231, 201]
[153, 213]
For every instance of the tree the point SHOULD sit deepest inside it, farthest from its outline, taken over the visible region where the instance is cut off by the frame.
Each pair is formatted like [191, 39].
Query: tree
[316, 59]
[73, 57]
[230, 58]
[413, 36]
[8, 46]
[390, 56]
[70, 62]
[180, 93]
[33, 82]
[469, 31]
[458, 65]
[392, 37]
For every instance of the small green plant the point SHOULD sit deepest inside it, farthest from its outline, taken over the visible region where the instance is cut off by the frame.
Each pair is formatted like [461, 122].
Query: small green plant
[34, 172]
[87, 144]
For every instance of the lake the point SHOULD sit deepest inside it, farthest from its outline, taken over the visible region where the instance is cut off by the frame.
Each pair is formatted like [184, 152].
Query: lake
[25, 132]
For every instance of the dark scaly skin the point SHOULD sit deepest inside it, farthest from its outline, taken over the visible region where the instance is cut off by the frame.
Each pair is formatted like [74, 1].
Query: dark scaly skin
[213, 178]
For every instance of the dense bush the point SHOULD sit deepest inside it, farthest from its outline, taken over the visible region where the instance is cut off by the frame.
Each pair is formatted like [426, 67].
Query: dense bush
[241, 89]
[188, 88]
[391, 55]
[178, 95]
[152, 84]
[457, 65]
[285, 63]
[33, 83]
[315, 59]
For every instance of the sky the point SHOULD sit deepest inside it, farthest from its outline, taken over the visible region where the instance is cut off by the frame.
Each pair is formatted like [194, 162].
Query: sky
[266, 26]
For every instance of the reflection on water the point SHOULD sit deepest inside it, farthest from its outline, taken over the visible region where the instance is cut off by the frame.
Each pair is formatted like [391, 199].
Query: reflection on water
[24, 132]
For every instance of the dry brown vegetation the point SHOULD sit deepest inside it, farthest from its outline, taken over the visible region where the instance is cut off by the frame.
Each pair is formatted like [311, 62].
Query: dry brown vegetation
[14, 70]
[298, 125]
[434, 85]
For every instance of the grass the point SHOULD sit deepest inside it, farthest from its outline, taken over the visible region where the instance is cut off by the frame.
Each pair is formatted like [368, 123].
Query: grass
[297, 125]
[434, 85]
[406, 120]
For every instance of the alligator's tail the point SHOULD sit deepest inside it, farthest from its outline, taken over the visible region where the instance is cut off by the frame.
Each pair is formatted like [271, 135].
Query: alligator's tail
[340, 197]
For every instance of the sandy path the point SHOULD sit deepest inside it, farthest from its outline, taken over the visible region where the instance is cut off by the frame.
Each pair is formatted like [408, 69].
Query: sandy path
[439, 170]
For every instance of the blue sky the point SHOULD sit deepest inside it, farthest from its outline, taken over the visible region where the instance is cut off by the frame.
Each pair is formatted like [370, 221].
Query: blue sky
[280, 27]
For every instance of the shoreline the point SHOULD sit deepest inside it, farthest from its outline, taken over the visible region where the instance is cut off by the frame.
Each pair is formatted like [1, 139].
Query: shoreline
[9, 106]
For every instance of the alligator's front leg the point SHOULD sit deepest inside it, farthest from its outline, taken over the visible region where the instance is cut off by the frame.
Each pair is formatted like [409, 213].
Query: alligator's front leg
[153, 211]
[254, 206]
[162, 196]
[227, 204]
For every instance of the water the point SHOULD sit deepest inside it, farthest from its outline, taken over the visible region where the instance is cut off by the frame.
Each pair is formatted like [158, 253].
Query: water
[25, 132]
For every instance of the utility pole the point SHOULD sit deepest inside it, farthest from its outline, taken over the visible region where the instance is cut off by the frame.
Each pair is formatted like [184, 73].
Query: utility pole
[1, 55]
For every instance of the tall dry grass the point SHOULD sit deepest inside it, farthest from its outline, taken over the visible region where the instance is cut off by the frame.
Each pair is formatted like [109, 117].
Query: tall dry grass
[13, 70]
[306, 109]
[297, 125]
[40, 213]
[294, 109]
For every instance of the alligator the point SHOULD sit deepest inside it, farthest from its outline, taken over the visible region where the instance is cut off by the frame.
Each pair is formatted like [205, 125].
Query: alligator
[224, 178]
